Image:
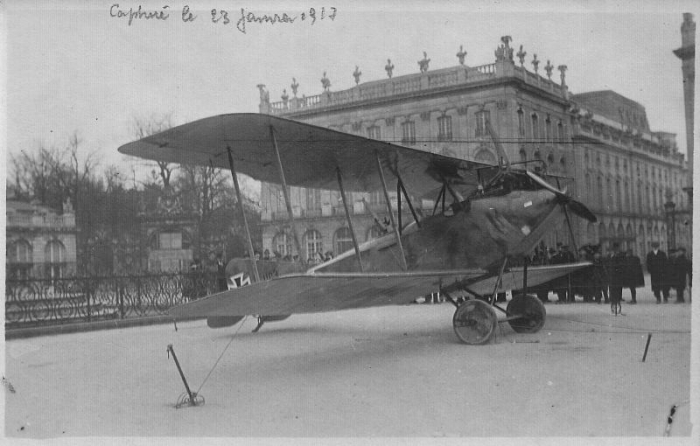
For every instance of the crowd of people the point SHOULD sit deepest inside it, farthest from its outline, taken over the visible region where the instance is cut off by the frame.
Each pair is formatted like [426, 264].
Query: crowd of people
[610, 274]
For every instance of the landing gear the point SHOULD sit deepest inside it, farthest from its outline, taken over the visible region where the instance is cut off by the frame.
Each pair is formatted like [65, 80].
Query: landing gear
[531, 311]
[474, 322]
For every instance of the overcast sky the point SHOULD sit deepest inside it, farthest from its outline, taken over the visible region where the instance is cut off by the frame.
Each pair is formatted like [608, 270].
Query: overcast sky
[72, 66]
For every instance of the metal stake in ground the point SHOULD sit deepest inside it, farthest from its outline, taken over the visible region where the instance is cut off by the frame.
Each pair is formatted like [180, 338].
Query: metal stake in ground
[186, 399]
[646, 349]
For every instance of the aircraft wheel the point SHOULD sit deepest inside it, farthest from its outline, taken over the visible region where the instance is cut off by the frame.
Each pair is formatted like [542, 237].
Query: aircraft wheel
[474, 322]
[532, 311]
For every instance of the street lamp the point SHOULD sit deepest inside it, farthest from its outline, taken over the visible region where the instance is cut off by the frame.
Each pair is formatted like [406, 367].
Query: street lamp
[670, 207]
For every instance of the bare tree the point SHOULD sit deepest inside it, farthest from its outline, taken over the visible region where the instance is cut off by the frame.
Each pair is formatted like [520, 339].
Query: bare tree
[156, 123]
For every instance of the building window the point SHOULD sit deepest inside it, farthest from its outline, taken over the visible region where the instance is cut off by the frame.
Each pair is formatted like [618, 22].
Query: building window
[313, 202]
[55, 257]
[445, 128]
[521, 122]
[343, 241]
[608, 188]
[588, 186]
[628, 207]
[646, 194]
[601, 203]
[535, 128]
[314, 246]
[560, 132]
[618, 195]
[523, 155]
[374, 132]
[481, 118]
[408, 130]
[282, 244]
[548, 130]
[20, 259]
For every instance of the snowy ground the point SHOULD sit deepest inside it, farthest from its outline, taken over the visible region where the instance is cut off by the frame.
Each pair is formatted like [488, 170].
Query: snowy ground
[387, 372]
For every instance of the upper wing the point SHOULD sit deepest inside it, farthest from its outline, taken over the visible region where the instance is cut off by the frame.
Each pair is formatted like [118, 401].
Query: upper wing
[309, 154]
[312, 293]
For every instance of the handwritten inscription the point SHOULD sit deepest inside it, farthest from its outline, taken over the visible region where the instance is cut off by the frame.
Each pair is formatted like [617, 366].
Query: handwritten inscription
[132, 14]
[240, 19]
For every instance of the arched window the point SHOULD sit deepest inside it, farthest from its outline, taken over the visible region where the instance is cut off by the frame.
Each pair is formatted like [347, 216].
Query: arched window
[590, 233]
[618, 196]
[562, 164]
[485, 156]
[343, 241]
[314, 244]
[548, 130]
[560, 132]
[282, 244]
[601, 203]
[521, 122]
[641, 242]
[535, 128]
[55, 258]
[609, 195]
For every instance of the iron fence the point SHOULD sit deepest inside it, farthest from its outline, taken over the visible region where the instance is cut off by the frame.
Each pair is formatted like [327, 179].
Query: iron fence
[37, 302]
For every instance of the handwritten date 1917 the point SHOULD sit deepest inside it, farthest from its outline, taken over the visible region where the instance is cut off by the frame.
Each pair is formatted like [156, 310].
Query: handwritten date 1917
[224, 17]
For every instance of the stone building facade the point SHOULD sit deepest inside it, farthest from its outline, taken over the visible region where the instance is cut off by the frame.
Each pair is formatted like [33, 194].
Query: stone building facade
[40, 243]
[598, 145]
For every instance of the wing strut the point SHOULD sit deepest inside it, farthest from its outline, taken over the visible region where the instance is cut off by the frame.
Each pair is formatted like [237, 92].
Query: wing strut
[499, 148]
[492, 301]
[391, 212]
[251, 252]
[347, 215]
[568, 224]
[437, 200]
[287, 201]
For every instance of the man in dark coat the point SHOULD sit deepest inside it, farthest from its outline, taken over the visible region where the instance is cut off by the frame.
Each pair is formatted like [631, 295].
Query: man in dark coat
[561, 285]
[616, 272]
[657, 265]
[680, 268]
[633, 277]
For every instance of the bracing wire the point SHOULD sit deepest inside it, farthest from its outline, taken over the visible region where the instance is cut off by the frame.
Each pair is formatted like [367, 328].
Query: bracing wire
[222, 354]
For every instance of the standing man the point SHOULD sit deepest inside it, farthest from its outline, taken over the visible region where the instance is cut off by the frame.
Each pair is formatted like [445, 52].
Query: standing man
[616, 273]
[221, 272]
[657, 265]
[633, 274]
[680, 268]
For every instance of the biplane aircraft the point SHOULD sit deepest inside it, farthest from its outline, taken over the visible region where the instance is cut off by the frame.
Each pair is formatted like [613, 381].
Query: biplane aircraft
[479, 223]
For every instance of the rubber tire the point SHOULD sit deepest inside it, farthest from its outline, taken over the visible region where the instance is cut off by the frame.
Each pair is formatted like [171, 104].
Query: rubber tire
[475, 322]
[533, 310]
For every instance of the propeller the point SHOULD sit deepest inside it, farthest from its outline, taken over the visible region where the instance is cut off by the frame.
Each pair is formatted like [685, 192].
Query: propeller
[576, 207]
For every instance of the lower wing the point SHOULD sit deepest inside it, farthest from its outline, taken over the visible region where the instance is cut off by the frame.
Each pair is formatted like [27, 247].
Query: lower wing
[319, 292]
